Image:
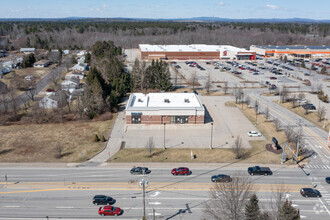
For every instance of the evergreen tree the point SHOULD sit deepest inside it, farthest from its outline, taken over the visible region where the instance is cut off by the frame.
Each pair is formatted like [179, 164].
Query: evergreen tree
[288, 212]
[28, 60]
[285, 59]
[252, 211]
[303, 64]
[324, 70]
[88, 58]
[312, 67]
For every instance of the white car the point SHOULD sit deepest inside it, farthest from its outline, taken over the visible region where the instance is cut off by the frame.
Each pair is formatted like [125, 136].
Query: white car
[254, 134]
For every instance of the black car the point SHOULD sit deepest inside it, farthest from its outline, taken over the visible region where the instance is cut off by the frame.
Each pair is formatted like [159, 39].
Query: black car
[256, 170]
[221, 178]
[327, 179]
[140, 170]
[309, 192]
[309, 106]
[103, 200]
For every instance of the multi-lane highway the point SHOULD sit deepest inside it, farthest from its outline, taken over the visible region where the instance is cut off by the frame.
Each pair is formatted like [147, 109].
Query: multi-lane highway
[67, 192]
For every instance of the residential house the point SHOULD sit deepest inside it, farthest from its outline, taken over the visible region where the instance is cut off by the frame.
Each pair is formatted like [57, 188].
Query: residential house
[80, 67]
[5, 67]
[66, 52]
[3, 53]
[70, 84]
[55, 100]
[27, 50]
[78, 75]
[41, 63]
[81, 59]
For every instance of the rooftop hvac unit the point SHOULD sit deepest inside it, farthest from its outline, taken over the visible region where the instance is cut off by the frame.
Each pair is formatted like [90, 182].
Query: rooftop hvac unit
[186, 101]
[166, 100]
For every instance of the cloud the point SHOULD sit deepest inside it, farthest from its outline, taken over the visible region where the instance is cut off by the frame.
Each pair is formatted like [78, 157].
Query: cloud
[273, 7]
[221, 3]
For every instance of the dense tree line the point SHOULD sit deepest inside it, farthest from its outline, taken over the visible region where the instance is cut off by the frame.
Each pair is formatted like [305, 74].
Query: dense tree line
[106, 81]
[155, 77]
[82, 34]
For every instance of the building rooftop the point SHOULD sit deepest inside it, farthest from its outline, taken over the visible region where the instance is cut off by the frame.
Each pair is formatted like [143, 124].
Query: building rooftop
[294, 47]
[188, 48]
[155, 101]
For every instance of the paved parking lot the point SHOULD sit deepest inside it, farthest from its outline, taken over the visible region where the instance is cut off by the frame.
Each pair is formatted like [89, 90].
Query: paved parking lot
[195, 136]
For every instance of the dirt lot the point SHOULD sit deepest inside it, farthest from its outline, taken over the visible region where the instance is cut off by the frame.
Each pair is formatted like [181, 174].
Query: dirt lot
[39, 142]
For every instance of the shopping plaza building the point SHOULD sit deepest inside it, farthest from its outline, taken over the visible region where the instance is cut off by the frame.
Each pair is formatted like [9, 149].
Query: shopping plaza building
[168, 108]
[292, 51]
[194, 52]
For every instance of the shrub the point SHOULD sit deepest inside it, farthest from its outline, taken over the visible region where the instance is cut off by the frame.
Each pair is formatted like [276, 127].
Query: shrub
[96, 138]
[103, 138]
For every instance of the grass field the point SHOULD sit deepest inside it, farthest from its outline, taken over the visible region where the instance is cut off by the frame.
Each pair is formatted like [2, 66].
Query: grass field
[311, 116]
[39, 142]
[257, 154]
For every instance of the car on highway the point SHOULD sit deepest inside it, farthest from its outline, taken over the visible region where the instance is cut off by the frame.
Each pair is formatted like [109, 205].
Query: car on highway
[221, 178]
[327, 180]
[181, 171]
[140, 170]
[110, 210]
[254, 134]
[216, 68]
[310, 192]
[103, 200]
[256, 170]
[273, 78]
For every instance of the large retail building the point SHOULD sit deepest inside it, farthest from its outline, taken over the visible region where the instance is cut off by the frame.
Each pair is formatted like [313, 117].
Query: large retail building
[292, 51]
[160, 108]
[194, 52]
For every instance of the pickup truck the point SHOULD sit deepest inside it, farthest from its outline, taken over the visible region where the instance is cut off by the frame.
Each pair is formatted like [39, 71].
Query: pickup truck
[256, 170]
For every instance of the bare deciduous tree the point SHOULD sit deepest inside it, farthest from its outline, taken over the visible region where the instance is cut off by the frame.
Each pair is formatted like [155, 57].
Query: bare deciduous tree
[284, 94]
[59, 149]
[225, 87]
[247, 100]
[301, 96]
[277, 124]
[256, 106]
[208, 83]
[289, 133]
[227, 200]
[267, 114]
[31, 88]
[321, 112]
[238, 147]
[150, 145]
[193, 79]
[279, 192]
[294, 100]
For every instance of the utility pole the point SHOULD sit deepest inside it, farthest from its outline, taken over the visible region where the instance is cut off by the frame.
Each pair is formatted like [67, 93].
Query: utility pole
[164, 136]
[143, 184]
[211, 135]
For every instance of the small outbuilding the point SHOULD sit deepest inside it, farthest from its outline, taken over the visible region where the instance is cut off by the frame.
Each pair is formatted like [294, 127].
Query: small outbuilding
[41, 63]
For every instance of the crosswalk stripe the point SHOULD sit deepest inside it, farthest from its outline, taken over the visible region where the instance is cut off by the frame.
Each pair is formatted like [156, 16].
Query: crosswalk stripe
[328, 167]
[317, 166]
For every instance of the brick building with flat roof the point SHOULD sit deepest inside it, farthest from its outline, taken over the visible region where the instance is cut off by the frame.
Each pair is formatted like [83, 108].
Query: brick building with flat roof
[194, 52]
[160, 108]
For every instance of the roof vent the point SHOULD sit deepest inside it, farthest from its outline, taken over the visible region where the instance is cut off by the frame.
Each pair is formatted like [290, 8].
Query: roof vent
[186, 101]
[166, 100]
[140, 100]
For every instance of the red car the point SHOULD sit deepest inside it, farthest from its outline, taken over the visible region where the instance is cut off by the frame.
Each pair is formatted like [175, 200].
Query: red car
[110, 210]
[273, 77]
[181, 171]
[50, 90]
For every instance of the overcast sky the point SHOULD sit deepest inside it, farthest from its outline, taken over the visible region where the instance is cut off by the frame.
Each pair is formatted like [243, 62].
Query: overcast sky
[314, 9]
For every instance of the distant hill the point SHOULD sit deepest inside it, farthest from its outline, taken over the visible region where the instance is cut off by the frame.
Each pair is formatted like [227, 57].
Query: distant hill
[194, 19]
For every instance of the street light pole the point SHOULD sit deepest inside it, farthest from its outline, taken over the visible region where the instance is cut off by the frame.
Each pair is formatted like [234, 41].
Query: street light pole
[324, 122]
[211, 135]
[256, 114]
[164, 136]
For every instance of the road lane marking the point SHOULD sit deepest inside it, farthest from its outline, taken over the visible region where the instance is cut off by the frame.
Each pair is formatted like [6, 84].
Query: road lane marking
[11, 206]
[325, 206]
[64, 207]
